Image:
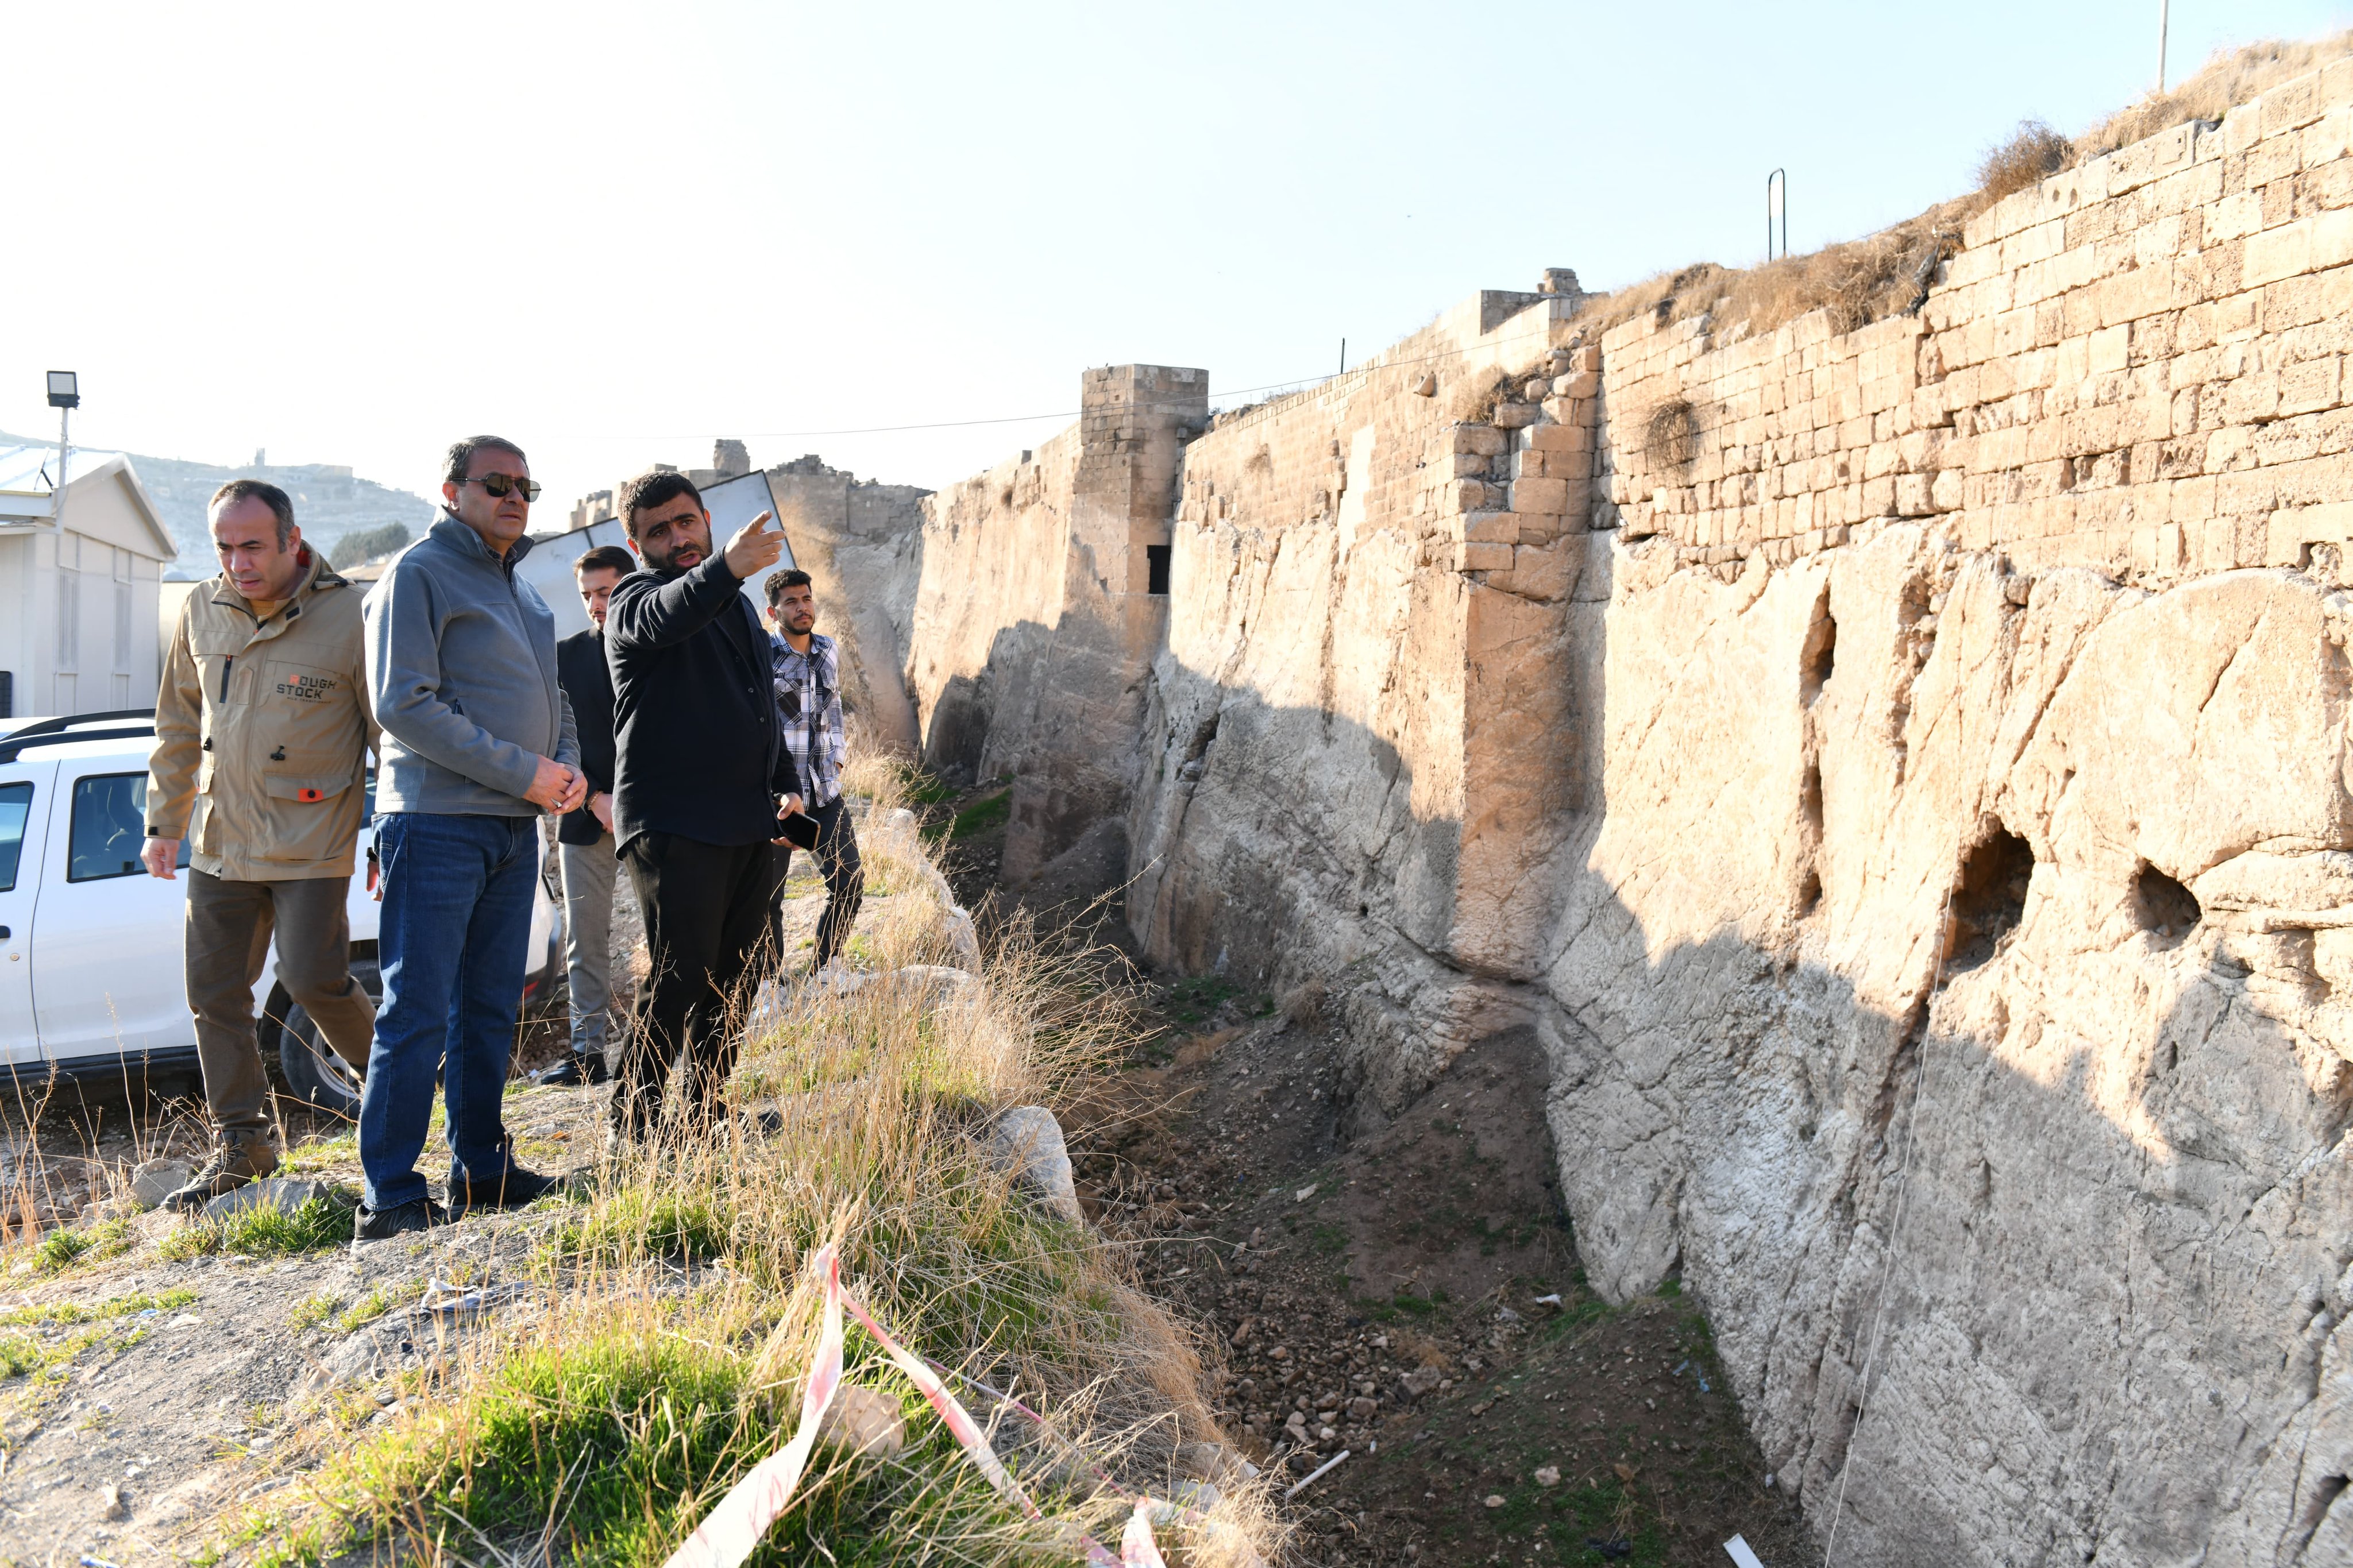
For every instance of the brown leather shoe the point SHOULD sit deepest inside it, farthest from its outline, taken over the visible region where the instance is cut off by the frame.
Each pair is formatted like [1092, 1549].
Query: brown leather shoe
[232, 1165]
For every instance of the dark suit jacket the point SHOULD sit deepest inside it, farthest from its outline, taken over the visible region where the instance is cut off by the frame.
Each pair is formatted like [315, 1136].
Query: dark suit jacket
[697, 751]
[588, 683]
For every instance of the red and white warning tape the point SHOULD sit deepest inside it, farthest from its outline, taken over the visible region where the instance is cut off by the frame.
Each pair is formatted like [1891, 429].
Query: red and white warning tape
[729, 1532]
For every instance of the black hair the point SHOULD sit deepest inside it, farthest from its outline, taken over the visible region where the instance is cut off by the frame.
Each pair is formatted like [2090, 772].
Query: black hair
[606, 558]
[237, 490]
[658, 488]
[791, 577]
[457, 466]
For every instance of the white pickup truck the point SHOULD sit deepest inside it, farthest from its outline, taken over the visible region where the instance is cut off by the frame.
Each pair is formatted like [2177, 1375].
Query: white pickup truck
[92, 980]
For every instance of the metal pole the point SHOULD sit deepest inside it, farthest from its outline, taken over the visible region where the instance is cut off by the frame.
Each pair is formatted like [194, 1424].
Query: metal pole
[58, 490]
[1343, 356]
[1776, 202]
[2164, 8]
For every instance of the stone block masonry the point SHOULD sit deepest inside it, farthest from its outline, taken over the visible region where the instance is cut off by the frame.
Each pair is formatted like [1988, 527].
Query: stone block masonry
[1915, 749]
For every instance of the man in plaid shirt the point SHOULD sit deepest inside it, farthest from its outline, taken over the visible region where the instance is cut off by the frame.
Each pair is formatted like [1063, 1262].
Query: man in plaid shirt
[807, 669]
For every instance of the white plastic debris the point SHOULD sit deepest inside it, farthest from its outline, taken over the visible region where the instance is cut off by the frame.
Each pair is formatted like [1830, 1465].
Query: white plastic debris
[1738, 1551]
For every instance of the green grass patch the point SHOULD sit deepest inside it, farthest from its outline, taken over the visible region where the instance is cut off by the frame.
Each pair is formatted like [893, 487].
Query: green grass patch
[365, 1311]
[1194, 999]
[924, 788]
[55, 1314]
[314, 1311]
[316, 1154]
[626, 1438]
[65, 1246]
[982, 814]
[263, 1232]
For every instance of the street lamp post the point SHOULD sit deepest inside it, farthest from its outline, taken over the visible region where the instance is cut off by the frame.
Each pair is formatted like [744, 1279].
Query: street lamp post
[65, 396]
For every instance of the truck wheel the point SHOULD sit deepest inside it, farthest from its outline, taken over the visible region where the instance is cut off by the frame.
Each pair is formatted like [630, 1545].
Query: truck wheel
[314, 1071]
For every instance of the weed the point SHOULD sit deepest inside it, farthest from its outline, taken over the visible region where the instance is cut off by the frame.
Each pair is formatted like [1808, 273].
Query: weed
[53, 1314]
[265, 1231]
[316, 1154]
[314, 1311]
[1193, 1000]
[981, 816]
[2026, 159]
[670, 1352]
[365, 1310]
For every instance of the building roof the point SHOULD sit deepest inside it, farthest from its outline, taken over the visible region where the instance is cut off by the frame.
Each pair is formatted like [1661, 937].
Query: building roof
[27, 475]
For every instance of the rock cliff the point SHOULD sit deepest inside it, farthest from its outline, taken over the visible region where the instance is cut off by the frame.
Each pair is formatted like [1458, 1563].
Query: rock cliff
[1899, 775]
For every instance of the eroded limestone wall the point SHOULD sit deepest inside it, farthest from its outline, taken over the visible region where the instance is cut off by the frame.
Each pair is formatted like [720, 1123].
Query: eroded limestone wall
[1900, 776]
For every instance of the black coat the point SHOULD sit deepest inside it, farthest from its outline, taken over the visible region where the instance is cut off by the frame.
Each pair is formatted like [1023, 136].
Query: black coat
[694, 711]
[588, 683]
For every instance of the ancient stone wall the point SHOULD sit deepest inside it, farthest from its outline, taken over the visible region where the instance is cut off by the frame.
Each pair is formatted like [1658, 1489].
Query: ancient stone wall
[1038, 612]
[860, 542]
[1900, 775]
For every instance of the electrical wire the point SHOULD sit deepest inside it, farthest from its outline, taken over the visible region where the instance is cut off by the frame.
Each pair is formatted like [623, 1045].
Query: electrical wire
[1364, 370]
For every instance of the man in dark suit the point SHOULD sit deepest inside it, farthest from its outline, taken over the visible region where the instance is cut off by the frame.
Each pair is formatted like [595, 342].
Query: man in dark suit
[585, 846]
[703, 784]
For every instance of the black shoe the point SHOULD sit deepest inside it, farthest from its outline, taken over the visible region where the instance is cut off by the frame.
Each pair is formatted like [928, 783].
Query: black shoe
[579, 1067]
[400, 1219]
[511, 1190]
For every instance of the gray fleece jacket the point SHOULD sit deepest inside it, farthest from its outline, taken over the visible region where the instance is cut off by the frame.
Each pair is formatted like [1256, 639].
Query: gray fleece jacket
[462, 673]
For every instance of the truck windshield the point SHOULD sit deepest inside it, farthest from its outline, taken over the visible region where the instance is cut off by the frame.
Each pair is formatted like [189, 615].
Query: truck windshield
[15, 805]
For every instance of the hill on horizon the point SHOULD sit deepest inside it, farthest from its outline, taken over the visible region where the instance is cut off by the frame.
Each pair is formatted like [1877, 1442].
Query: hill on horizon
[330, 502]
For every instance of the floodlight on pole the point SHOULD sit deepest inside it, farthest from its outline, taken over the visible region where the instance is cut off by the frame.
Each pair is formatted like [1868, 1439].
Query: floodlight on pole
[65, 396]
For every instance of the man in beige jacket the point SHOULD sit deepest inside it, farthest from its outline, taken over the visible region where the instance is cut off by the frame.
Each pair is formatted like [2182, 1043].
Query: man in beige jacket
[261, 729]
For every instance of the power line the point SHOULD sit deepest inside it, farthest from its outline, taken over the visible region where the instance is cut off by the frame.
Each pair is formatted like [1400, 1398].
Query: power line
[1303, 381]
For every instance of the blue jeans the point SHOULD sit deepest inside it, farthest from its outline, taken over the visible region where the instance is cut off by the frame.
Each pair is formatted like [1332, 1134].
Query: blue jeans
[450, 947]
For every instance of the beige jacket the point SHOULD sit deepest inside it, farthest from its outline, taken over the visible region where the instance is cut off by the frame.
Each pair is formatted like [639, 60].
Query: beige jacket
[261, 733]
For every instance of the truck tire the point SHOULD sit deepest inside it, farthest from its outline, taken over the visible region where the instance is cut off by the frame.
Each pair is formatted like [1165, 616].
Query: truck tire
[314, 1071]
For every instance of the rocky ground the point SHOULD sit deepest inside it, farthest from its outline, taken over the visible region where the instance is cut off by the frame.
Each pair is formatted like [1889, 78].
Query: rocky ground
[1406, 1293]
[1410, 1296]
[151, 1382]
[152, 1385]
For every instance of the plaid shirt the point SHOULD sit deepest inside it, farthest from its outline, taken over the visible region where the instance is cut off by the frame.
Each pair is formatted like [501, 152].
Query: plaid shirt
[808, 702]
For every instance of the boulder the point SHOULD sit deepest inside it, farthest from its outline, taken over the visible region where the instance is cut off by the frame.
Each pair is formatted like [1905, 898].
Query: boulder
[863, 1421]
[278, 1192]
[152, 1181]
[1029, 1141]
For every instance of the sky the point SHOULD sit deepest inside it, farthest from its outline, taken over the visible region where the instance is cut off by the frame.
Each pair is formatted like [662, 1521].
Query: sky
[612, 233]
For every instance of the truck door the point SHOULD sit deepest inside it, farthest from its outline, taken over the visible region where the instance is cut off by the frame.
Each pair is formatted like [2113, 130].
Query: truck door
[25, 791]
[106, 968]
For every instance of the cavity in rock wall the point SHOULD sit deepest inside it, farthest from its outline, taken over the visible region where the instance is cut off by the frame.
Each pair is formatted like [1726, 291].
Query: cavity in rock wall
[1901, 777]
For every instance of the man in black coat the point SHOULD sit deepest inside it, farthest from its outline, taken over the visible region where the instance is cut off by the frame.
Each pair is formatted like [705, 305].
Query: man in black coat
[585, 847]
[701, 785]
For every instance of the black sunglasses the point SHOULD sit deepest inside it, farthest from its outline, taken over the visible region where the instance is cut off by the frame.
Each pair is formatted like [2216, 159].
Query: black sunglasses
[501, 486]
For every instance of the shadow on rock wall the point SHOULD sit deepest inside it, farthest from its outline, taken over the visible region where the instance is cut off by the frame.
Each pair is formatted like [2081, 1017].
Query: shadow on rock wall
[1974, 853]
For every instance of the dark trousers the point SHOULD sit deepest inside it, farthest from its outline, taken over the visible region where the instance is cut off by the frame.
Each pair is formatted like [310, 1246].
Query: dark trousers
[707, 912]
[845, 879]
[229, 929]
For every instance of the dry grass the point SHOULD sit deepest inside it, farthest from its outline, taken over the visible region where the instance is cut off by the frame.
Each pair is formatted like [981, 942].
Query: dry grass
[1859, 281]
[2224, 82]
[2032, 155]
[1884, 274]
[677, 1316]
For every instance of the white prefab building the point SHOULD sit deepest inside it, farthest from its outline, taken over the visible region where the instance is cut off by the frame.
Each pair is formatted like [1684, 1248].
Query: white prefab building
[77, 598]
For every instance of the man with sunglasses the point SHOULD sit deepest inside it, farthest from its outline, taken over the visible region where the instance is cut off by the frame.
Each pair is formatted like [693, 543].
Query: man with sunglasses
[478, 743]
